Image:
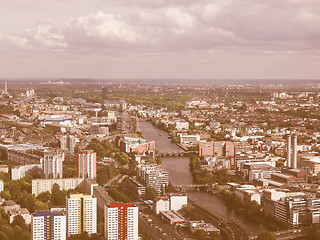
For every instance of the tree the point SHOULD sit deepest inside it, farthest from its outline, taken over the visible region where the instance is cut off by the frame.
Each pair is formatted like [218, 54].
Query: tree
[76, 149]
[19, 221]
[314, 234]
[45, 196]
[58, 196]
[3, 236]
[151, 193]
[266, 235]
[200, 234]
[122, 158]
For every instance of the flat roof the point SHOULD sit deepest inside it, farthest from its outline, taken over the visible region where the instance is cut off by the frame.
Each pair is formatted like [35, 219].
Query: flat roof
[282, 175]
[172, 216]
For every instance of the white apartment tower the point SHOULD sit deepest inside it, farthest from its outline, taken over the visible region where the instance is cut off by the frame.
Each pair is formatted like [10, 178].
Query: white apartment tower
[81, 214]
[52, 166]
[46, 225]
[1, 186]
[87, 164]
[121, 221]
[68, 142]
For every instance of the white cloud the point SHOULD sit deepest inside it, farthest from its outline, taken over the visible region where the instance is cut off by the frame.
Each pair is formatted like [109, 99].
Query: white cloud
[188, 25]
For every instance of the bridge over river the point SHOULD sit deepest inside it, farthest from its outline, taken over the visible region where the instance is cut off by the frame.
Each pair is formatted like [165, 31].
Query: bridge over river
[180, 175]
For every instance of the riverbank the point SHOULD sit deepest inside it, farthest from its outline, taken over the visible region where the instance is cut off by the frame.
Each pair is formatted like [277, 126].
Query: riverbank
[180, 174]
[184, 148]
[229, 229]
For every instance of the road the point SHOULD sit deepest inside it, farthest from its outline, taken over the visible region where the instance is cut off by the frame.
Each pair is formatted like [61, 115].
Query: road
[157, 227]
[229, 230]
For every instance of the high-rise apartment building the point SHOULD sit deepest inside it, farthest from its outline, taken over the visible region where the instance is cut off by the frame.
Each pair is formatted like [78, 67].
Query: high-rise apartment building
[46, 225]
[153, 176]
[81, 214]
[68, 142]
[87, 164]
[121, 221]
[52, 166]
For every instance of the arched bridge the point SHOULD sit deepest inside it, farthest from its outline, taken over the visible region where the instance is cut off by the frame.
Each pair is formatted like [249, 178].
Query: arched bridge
[173, 154]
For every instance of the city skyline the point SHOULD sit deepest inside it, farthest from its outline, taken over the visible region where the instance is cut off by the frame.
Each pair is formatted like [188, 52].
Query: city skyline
[160, 39]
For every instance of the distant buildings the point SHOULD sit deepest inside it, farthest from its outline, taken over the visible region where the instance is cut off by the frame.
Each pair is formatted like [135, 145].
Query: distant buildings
[29, 93]
[133, 144]
[97, 130]
[81, 214]
[87, 164]
[222, 148]
[186, 139]
[121, 221]
[48, 225]
[21, 154]
[182, 125]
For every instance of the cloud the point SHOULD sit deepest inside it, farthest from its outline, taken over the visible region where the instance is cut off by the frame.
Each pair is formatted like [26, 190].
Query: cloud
[182, 25]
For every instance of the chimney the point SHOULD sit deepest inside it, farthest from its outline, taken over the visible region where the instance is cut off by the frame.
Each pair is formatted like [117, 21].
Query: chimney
[294, 152]
[260, 147]
[288, 163]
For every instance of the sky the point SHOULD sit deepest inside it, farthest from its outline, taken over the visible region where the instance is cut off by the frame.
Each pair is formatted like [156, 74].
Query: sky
[158, 39]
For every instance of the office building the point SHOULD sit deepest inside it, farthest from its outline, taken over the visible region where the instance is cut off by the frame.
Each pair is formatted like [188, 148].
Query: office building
[121, 221]
[87, 164]
[48, 225]
[81, 214]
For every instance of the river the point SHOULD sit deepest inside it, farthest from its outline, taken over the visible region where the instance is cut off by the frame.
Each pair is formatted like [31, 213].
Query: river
[178, 168]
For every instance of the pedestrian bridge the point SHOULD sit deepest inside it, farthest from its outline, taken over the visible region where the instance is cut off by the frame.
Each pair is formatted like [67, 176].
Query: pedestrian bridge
[173, 154]
[191, 187]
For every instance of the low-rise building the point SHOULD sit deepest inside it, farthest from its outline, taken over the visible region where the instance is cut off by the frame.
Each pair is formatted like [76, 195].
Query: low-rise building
[201, 225]
[44, 185]
[172, 202]
[4, 168]
[23, 212]
[172, 217]
[187, 139]
[19, 172]
[312, 165]
[181, 125]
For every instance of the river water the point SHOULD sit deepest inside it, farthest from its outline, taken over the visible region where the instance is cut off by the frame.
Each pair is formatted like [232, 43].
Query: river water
[178, 168]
